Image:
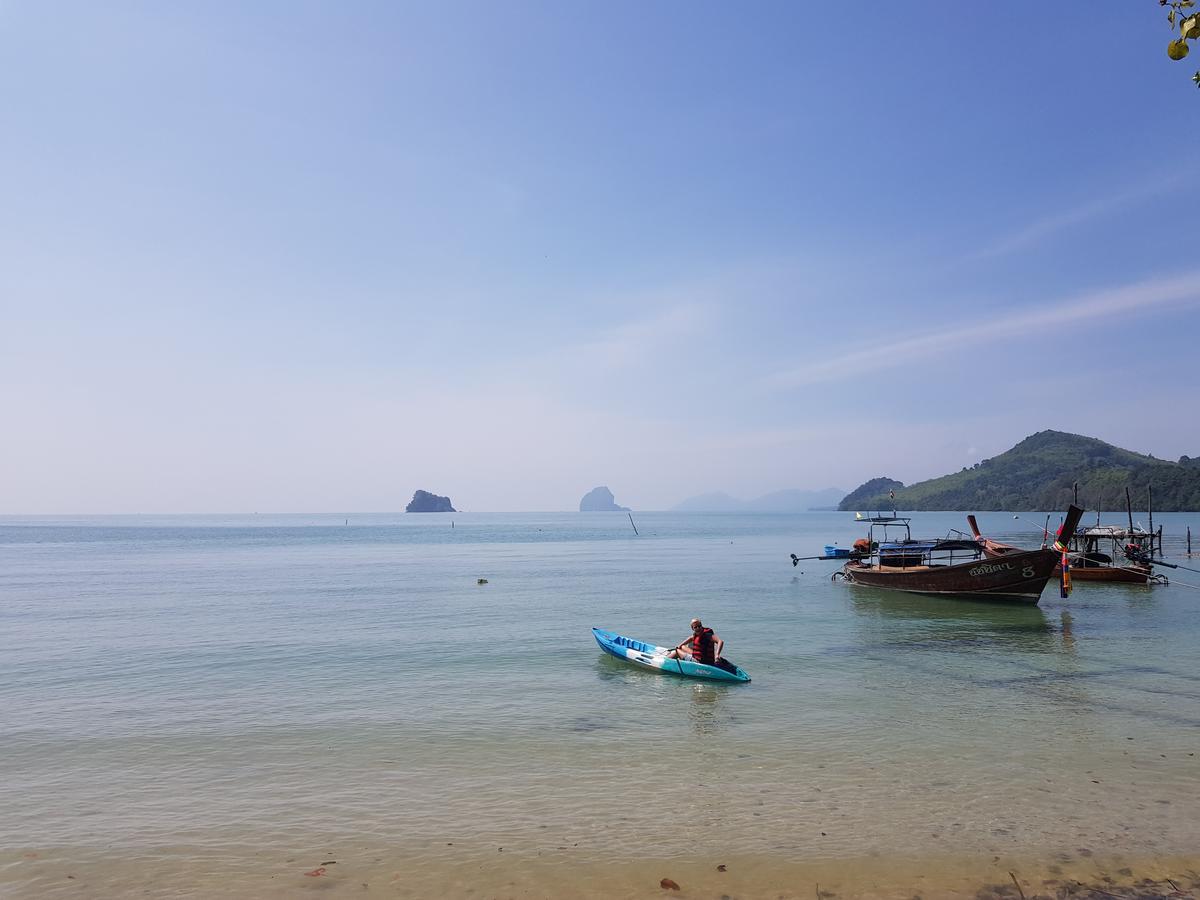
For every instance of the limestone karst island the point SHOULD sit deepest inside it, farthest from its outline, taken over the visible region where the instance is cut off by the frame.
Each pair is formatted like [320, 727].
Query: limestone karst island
[423, 501]
[600, 499]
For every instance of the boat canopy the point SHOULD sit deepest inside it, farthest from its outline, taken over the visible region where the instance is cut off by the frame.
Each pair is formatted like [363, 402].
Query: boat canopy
[928, 546]
[1113, 531]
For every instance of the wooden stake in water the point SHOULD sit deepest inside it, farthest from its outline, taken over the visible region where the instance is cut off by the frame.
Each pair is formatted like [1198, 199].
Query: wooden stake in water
[635, 531]
[1150, 513]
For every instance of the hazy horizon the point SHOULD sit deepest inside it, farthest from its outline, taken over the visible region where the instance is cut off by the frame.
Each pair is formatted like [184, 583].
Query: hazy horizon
[307, 257]
[459, 508]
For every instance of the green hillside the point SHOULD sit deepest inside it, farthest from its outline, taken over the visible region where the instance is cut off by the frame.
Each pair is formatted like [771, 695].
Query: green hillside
[1038, 474]
[866, 496]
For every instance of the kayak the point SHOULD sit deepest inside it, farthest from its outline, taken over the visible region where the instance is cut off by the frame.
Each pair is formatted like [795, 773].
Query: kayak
[651, 657]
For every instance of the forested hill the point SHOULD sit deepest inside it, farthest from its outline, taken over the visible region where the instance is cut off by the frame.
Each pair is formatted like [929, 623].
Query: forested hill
[1038, 474]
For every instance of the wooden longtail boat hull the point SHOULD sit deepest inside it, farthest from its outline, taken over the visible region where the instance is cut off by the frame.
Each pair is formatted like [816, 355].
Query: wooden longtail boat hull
[1129, 574]
[1107, 573]
[1013, 577]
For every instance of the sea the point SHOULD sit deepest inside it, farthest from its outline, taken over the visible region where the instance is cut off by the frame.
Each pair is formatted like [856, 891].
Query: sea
[412, 705]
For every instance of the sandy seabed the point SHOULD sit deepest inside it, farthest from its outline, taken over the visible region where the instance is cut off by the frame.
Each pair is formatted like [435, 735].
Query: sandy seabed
[192, 872]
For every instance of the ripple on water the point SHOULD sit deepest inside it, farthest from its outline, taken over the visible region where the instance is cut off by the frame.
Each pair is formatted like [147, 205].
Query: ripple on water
[170, 687]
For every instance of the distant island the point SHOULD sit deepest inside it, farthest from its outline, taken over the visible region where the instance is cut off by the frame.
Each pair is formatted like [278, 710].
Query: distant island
[1039, 473]
[423, 501]
[600, 499]
[792, 500]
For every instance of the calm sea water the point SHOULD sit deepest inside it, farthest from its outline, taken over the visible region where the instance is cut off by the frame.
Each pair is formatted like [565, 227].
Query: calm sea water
[253, 687]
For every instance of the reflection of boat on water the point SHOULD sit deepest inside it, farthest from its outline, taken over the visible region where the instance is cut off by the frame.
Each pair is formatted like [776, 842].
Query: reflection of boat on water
[913, 618]
[951, 566]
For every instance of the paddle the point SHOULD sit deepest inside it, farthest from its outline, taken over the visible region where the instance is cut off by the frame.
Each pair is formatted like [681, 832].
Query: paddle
[676, 658]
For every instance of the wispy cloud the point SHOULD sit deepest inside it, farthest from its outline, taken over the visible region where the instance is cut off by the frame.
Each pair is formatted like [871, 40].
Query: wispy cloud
[639, 339]
[1036, 231]
[1183, 290]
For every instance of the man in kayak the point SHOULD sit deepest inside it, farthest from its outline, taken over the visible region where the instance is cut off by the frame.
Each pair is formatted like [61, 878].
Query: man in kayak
[703, 646]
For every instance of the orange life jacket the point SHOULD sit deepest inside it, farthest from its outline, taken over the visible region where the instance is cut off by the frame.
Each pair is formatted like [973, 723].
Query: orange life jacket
[702, 647]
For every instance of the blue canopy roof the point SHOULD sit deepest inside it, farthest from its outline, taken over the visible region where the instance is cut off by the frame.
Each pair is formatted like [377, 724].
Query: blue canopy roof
[927, 546]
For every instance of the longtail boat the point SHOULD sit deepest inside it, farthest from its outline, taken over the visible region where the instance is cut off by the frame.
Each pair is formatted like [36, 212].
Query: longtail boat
[1108, 553]
[951, 566]
[1114, 554]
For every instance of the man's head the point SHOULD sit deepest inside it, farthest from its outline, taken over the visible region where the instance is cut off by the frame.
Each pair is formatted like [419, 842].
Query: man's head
[697, 624]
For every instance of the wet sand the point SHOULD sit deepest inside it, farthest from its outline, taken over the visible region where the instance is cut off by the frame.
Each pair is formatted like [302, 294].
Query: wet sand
[366, 872]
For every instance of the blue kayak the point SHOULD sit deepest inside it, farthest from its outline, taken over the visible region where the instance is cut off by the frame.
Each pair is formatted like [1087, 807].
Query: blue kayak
[652, 657]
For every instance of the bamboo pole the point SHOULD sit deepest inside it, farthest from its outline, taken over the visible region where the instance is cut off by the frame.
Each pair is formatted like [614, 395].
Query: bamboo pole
[1150, 513]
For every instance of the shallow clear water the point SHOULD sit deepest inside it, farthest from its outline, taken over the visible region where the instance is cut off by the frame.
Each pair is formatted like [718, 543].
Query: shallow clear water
[295, 682]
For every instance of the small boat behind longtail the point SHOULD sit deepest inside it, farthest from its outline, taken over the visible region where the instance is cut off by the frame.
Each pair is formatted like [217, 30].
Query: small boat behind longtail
[649, 656]
[952, 566]
[1112, 554]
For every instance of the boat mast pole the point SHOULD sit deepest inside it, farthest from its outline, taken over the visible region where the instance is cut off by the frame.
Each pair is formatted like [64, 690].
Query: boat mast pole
[1150, 513]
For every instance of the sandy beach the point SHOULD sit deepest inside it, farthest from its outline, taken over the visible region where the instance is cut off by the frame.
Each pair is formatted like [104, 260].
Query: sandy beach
[373, 872]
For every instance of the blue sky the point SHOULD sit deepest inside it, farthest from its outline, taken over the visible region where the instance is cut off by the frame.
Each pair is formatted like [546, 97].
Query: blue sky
[314, 256]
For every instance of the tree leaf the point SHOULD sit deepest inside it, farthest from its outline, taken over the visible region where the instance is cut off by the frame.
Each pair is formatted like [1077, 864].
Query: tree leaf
[1190, 27]
[1178, 49]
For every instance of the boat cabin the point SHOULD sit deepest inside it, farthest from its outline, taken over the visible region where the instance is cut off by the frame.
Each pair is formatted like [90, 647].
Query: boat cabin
[1108, 545]
[892, 546]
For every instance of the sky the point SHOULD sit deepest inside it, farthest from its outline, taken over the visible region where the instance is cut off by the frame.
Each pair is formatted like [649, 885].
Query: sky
[312, 257]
